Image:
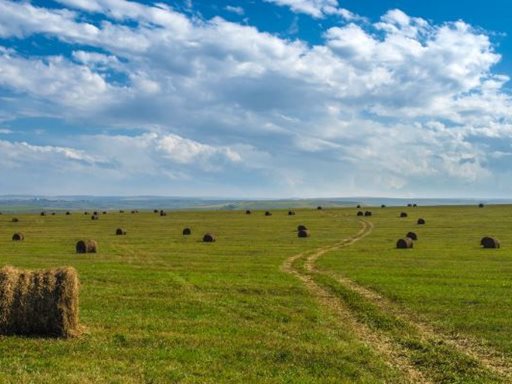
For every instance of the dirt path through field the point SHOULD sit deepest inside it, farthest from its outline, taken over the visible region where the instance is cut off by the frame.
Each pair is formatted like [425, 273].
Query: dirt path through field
[393, 354]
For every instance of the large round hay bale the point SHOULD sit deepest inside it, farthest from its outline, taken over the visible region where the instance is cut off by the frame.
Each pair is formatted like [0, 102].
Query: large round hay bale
[86, 213]
[421, 221]
[409, 205]
[187, 231]
[86, 246]
[248, 212]
[383, 206]
[43, 213]
[53, 213]
[367, 213]
[68, 213]
[291, 213]
[301, 227]
[490, 242]
[358, 206]
[95, 213]
[303, 233]
[360, 213]
[268, 213]
[94, 217]
[121, 211]
[414, 205]
[15, 220]
[403, 214]
[481, 205]
[209, 238]
[404, 243]
[162, 213]
[155, 211]
[412, 235]
[42, 303]
[104, 212]
[319, 207]
[18, 236]
[120, 232]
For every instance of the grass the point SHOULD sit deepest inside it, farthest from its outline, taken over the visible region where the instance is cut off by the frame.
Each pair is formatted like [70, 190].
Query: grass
[159, 307]
[162, 308]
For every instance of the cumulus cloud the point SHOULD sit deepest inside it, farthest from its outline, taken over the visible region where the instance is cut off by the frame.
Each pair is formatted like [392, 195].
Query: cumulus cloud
[401, 96]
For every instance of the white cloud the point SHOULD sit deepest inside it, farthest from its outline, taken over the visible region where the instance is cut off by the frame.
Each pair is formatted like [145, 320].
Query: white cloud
[235, 9]
[316, 8]
[398, 97]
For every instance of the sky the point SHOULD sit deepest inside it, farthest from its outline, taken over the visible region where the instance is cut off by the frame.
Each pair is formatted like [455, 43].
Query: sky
[256, 98]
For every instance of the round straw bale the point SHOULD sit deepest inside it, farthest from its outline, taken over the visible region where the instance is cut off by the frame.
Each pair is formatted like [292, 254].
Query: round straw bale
[303, 233]
[86, 246]
[421, 221]
[409, 205]
[367, 213]
[68, 213]
[481, 205]
[248, 212]
[155, 210]
[95, 213]
[209, 238]
[187, 231]
[43, 213]
[403, 214]
[121, 211]
[360, 213]
[162, 213]
[383, 206]
[415, 205]
[301, 227]
[86, 213]
[404, 243]
[319, 207]
[15, 220]
[18, 236]
[267, 213]
[490, 242]
[42, 303]
[358, 206]
[291, 213]
[53, 213]
[94, 217]
[104, 212]
[412, 235]
[120, 232]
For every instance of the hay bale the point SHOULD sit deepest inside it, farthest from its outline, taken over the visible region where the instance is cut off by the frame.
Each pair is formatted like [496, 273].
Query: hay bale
[43, 213]
[267, 213]
[490, 242]
[303, 233]
[291, 213]
[95, 213]
[209, 238]
[403, 214]
[86, 213]
[162, 213]
[421, 221]
[121, 211]
[360, 213]
[18, 236]
[94, 217]
[301, 227]
[104, 212]
[409, 205]
[86, 246]
[120, 232]
[187, 231]
[42, 303]
[367, 213]
[481, 205]
[68, 213]
[358, 206]
[15, 220]
[404, 243]
[155, 210]
[248, 212]
[383, 206]
[319, 208]
[415, 205]
[412, 235]
[53, 213]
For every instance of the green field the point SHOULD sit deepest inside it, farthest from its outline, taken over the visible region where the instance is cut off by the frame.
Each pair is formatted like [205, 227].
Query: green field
[263, 306]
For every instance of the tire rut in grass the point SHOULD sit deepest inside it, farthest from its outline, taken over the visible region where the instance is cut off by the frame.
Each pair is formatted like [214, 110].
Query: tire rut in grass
[442, 359]
[393, 355]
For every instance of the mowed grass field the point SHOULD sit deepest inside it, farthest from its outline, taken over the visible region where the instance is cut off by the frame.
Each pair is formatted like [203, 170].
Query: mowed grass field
[158, 307]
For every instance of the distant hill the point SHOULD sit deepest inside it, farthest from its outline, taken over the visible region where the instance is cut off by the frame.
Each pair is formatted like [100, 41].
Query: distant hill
[10, 203]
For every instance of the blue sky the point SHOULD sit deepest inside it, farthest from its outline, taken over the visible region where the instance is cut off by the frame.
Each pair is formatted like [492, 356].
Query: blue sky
[256, 98]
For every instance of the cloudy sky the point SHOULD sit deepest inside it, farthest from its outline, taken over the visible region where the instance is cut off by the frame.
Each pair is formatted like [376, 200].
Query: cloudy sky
[256, 98]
